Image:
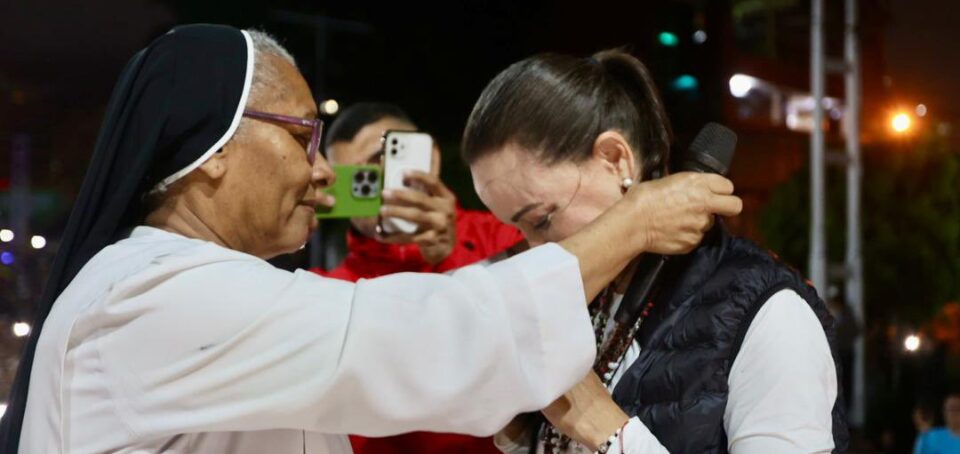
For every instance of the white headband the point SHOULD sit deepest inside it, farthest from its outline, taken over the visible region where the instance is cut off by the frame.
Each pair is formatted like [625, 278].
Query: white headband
[237, 115]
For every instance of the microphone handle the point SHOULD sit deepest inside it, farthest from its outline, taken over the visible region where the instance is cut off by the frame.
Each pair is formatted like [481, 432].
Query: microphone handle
[638, 292]
[648, 270]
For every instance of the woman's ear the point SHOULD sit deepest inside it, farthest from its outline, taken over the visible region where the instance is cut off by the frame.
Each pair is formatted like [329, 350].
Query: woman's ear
[615, 153]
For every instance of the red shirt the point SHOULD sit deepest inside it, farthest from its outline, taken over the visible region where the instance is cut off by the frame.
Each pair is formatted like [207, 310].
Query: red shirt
[479, 236]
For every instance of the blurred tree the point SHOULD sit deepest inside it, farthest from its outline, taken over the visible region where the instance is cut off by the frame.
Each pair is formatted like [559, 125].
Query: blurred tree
[911, 256]
[945, 329]
[911, 228]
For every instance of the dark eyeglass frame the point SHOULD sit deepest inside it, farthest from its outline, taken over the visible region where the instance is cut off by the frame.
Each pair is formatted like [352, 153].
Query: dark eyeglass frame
[315, 123]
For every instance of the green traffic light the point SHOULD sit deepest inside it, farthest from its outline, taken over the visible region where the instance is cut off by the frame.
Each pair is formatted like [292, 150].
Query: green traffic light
[668, 39]
[685, 82]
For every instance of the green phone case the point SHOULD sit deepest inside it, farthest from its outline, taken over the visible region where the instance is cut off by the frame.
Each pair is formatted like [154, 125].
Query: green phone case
[357, 190]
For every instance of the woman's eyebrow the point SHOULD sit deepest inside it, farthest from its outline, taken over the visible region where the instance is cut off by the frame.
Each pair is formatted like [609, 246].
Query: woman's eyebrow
[526, 209]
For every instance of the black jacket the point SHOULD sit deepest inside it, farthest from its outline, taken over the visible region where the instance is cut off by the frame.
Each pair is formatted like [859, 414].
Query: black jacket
[706, 302]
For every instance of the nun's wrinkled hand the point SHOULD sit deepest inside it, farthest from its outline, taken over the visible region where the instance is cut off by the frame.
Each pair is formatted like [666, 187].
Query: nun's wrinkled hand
[674, 212]
[433, 209]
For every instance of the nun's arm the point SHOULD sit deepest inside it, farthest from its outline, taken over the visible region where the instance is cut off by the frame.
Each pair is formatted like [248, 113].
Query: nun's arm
[256, 348]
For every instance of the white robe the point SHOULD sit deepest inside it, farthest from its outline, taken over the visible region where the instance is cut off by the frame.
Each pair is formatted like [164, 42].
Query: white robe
[168, 344]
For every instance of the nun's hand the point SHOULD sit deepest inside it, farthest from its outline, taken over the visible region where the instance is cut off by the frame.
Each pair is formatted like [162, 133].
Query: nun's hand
[674, 212]
[433, 208]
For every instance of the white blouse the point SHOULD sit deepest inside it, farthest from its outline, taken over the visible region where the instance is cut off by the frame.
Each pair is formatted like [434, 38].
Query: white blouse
[169, 344]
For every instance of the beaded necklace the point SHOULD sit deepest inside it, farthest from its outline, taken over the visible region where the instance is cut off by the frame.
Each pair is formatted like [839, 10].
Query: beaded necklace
[608, 360]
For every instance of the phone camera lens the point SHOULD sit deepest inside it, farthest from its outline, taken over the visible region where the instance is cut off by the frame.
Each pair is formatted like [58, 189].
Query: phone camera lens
[365, 190]
[393, 152]
[358, 177]
[395, 141]
[372, 177]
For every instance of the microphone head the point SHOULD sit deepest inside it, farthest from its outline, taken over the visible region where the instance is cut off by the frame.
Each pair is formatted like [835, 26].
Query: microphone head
[712, 150]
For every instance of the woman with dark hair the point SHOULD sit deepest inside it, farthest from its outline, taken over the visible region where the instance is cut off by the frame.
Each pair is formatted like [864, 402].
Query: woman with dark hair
[735, 350]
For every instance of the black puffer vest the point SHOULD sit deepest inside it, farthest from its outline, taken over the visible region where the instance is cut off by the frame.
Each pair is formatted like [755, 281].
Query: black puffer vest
[678, 384]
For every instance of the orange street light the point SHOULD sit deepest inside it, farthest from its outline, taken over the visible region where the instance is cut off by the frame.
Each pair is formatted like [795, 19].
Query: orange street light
[901, 122]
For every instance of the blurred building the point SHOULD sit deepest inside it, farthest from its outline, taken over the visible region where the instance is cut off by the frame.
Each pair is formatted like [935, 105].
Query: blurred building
[754, 60]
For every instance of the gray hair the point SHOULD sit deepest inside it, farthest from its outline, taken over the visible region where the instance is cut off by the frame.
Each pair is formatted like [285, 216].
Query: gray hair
[265, 75]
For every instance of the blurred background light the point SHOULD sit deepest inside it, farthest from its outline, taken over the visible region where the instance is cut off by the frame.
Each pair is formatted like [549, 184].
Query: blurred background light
[668, 39]
[911, 343]
[901, 122]
[21, 329]
[741, 84]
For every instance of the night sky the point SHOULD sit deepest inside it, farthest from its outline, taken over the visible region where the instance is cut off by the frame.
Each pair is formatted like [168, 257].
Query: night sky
[923, 53]
[72, 51]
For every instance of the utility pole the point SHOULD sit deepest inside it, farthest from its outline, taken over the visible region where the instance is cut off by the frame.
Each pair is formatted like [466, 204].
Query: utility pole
[853, 266]
[854, 258]
[818, 248]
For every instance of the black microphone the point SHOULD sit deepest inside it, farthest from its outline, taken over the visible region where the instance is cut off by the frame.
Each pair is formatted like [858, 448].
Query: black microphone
[710, 152]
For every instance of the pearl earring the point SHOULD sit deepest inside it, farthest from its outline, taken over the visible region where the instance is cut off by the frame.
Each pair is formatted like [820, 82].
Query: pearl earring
[627, 183]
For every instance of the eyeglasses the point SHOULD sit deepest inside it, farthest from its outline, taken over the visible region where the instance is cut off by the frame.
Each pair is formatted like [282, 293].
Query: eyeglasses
[315, 123]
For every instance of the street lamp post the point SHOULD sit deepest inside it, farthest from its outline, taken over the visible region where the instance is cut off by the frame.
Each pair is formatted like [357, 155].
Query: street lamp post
[818, 253]
[853, 269]
[854, 257]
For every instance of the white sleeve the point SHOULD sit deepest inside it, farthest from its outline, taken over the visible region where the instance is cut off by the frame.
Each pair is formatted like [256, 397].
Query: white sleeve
[243, 346]
[783, 383]
[636, 439]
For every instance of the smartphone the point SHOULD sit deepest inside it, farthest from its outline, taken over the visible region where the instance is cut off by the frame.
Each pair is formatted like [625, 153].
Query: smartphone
[357, 190]
[403, 151]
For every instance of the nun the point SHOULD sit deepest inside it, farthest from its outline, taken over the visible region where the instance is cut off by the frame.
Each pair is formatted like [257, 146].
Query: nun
[165, 330]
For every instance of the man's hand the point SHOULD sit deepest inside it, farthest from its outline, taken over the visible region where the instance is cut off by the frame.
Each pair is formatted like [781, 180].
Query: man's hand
[675, 211]
[586, 413]
[434, 210]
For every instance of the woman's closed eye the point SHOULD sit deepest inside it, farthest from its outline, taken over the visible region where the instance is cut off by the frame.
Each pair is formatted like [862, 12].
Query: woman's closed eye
[544, 222]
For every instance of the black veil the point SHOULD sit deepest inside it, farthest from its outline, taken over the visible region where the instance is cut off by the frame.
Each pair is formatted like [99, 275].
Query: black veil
[176, 102]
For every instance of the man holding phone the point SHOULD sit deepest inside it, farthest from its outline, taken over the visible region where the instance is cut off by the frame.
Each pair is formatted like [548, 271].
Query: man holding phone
[447, 237]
